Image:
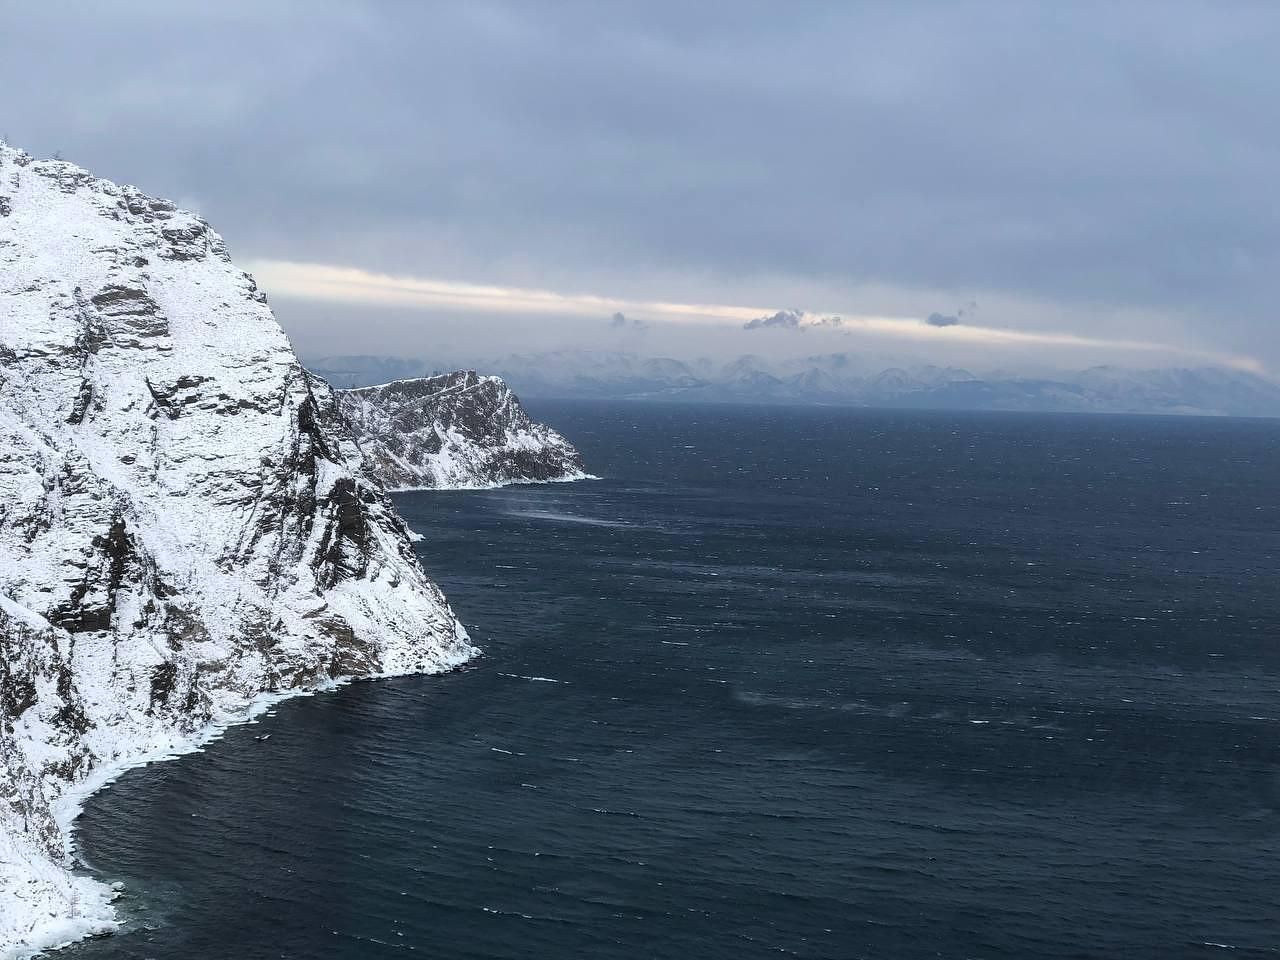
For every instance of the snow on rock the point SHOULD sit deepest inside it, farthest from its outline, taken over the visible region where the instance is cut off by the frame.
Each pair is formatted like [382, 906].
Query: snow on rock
[456, 430]
[185, 522]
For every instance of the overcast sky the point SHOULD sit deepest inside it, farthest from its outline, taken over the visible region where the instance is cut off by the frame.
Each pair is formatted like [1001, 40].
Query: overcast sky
[1072, 182]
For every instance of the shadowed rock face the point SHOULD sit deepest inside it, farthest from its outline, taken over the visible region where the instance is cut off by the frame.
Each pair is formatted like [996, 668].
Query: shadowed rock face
[185, 520]
[454, 430]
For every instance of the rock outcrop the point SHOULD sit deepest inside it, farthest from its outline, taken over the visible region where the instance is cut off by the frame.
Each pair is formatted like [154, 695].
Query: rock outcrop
[456, 430]
[185, 521]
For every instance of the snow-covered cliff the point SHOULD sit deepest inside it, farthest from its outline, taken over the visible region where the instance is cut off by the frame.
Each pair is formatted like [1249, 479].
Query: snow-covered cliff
[185, 522]
[456, 430]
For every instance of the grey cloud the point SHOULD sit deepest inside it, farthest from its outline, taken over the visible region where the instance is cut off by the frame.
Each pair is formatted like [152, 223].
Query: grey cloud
[795, 320]
[965, 314]
[1097, 157]
[619, 321]
[784, 319]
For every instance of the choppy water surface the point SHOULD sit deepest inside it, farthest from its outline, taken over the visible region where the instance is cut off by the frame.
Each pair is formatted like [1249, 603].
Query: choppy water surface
[799, 683]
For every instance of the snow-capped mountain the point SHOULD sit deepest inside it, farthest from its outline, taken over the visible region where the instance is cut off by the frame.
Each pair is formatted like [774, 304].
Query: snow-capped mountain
[185, 521]
[456, 430]
[365, 370]
[854, 380]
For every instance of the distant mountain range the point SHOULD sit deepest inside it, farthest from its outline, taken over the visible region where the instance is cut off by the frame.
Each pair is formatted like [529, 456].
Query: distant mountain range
[845, 379]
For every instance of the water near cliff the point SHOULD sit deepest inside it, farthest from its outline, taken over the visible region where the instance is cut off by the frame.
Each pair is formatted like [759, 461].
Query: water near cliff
[799, 683]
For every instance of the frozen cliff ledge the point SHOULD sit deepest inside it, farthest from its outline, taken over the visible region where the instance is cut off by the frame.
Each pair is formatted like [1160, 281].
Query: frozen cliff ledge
[457, 430]
[185, 522]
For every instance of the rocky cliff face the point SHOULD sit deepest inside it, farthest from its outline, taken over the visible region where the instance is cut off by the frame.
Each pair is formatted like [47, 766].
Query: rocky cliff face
[185, 522]
[457, 430]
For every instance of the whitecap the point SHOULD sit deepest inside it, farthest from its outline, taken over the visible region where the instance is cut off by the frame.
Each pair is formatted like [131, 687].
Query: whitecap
[520, 676]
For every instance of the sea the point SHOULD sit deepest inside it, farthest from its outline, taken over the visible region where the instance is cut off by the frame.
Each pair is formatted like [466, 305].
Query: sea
[814, 683]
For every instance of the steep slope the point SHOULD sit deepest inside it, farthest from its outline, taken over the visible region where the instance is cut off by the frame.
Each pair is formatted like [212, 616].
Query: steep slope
[457, 430]
[185, 523]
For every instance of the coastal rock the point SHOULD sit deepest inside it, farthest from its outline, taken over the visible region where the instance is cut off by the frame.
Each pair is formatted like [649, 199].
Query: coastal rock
[456, 430]
[185, 521]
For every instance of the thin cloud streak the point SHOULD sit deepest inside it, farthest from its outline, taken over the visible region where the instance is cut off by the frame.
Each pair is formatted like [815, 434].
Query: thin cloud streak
[313, 281]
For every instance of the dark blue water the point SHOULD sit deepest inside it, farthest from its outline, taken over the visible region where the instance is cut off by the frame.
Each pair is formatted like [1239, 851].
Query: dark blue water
[818, 684]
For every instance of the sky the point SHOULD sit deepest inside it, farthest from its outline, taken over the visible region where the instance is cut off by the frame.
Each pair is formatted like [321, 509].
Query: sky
[1055, 185]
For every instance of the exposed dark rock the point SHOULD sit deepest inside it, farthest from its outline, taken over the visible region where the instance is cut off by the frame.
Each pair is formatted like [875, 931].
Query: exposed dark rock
[454, 430]
[184, 519]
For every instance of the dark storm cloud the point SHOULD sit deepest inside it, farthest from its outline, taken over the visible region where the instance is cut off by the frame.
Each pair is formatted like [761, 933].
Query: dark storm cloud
[1102, 156]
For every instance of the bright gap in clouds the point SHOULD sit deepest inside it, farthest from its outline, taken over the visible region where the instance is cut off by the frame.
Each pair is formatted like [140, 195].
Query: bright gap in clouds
[313, 281]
